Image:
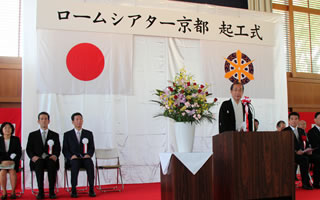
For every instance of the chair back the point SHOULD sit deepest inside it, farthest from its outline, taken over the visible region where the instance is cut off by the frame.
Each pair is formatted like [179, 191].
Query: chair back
[107, 153]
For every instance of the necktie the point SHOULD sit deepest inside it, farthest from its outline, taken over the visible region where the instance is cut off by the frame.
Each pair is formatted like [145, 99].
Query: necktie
[78, 136]
[296, 133]
[44, 138]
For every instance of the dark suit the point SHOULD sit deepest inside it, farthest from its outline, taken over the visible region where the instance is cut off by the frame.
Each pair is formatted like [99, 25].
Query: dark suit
[314, 139]
[14, 147]
[304, 159]
[71, 147]
[35, 147]
[227, 119]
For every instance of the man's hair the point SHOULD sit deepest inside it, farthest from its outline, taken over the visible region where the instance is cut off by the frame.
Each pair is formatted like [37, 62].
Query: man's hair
[4, 124]
[294, 114]
[74, 115]
[280, 122]
[236, 83]
[255, 120]
[44, 113]
[317, 114]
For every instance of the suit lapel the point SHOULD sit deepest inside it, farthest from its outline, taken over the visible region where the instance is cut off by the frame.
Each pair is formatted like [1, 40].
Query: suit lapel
[40, 137]
[231, 110]
[10, 145]
[3, 149]
[74, 136]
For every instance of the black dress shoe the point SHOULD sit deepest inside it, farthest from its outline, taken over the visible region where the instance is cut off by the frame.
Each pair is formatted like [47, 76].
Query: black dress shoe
[92, 193]
[52, 196]
[316, 186]
[13, 196]
[74, 195]
[307, 187]
[4, 196]
[40, 196]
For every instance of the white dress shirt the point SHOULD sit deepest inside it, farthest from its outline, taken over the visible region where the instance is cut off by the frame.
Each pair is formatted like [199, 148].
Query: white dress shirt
[295, 131]
[238, 113]
[318, 127]
[78, 134]
[7, 144]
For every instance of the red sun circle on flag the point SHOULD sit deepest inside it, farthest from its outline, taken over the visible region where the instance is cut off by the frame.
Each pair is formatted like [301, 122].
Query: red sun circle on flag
[85, 61]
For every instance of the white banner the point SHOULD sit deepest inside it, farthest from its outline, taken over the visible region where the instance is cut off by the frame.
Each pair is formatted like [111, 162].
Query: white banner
[252, 65]
[99, 17]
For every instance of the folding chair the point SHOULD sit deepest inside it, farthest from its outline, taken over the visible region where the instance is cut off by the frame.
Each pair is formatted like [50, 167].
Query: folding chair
[108, 155]
[19, 194]
[66, 182]
[299, 183]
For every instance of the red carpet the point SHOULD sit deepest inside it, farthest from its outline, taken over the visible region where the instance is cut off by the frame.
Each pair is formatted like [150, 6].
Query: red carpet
[152, 191]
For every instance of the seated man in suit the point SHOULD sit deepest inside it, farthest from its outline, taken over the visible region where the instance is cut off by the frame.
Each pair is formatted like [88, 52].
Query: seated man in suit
[232, 112]
[301, 149]
[78, 149]
[314, 139]
[43, 149]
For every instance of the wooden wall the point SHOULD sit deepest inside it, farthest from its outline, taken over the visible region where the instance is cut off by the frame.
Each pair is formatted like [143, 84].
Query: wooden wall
[303, 93]
[10, 82]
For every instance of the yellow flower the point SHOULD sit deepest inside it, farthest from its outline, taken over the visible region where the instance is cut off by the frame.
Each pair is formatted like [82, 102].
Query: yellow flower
[189, 97]
[183, 108]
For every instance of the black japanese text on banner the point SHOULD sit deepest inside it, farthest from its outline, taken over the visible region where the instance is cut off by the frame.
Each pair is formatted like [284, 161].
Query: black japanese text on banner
[98, 17]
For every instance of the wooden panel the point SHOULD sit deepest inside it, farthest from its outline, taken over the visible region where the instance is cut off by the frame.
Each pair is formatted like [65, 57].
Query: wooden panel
[303, 94]
[249, 165]
[10, 82]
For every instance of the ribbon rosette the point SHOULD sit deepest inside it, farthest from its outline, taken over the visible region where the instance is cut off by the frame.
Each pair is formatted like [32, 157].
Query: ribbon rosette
[304, 140]
[85, 142]
[13, 155]
[50, 145]
[246, 101]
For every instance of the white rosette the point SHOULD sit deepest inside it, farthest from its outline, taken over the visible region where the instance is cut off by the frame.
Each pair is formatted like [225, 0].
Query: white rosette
[13, 155]
[85, 142]
[50, 145]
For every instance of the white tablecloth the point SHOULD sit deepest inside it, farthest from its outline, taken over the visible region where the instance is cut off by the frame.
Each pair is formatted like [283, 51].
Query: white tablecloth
[192, 161]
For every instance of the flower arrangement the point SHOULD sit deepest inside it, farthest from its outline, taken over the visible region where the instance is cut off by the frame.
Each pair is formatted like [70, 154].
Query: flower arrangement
[185, 100]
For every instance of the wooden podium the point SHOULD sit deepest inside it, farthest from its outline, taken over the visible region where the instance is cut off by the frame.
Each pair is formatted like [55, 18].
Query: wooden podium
[255, 165]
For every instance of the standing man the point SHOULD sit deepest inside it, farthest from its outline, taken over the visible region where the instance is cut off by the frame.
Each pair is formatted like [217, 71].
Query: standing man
[43, 149]
[302, 124]
[301, 149]
[232, 112]
[314, 139]
[78, 149]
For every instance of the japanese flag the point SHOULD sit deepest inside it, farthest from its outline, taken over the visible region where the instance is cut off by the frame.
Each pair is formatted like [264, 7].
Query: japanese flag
[74, 62]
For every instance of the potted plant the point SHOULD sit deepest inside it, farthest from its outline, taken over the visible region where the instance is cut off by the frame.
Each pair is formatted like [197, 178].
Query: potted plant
[185, 101]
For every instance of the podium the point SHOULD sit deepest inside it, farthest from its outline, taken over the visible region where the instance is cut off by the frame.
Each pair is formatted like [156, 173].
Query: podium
[254, 165]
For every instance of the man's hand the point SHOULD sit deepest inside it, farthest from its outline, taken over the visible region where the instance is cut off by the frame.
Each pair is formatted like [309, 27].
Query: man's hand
[308, 151]
[74, 157]
[35, 158]
[7, 162]
[86, 156]
[300, 152]
[53, 157]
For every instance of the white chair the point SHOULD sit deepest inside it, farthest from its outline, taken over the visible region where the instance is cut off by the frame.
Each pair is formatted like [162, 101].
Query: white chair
[110, 155]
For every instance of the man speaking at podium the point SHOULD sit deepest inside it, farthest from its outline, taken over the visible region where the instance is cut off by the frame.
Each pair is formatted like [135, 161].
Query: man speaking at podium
[232, 112]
